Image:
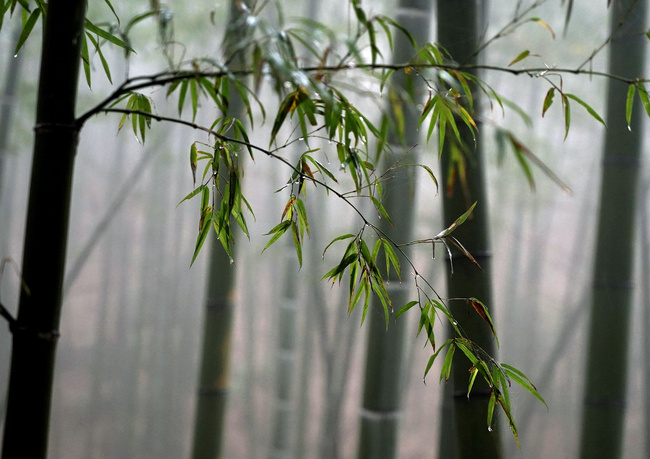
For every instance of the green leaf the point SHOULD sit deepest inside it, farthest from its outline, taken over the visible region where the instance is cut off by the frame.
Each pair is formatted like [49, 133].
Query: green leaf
[194, 96]
[277, 231]
[27, 29]
[106, 35]
[203, 234]
[193, 161]
[548, 100]
[181, 97]
[336, 239]
[472, 378]
[521, 379]
[431, 175]
[520, 57]
[85, 60]
[380, 208]
[405, 308]
[98, 48]
[567, 115]
[297, 243]
[593, 112]
[391, 258]
[628, 105]
[491, 405]
[643, 94]
[459, 221]
[445, 371]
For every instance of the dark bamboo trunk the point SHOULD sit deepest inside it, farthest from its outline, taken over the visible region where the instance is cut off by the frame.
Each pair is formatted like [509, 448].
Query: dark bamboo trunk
[612, 289]
[458, 22]
[381, 409]
[36, 331]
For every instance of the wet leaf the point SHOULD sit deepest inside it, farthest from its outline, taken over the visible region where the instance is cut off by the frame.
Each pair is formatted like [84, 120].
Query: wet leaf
[629, 104]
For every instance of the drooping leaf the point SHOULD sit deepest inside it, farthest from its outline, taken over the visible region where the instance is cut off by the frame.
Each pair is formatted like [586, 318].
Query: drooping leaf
[629, 104]
[643, 94]
[521, 379]
[445, 371]
[593, 112]
[567, 115]
[27, 29]
[548, 100]
[543, 24]
[483, 312]
[193, 161]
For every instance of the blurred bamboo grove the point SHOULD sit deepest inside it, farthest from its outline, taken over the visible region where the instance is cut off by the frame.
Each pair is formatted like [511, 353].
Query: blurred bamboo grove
[127, 372]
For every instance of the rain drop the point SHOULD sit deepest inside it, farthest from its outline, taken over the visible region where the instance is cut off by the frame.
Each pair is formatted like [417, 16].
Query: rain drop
[489, 428]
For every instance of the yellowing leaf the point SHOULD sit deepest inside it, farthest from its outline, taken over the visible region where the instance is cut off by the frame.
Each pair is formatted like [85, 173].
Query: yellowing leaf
[523, 55]
[544, 24]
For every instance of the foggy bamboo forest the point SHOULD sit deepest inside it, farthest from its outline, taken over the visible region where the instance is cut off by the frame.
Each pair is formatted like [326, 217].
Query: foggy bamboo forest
[128, 358]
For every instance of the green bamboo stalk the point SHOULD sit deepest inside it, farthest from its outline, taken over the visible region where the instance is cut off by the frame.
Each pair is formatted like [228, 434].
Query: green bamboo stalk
[214, 370]
[36, 330]
[381, 409]
[458, 22]
[645, 274]
[613, 290]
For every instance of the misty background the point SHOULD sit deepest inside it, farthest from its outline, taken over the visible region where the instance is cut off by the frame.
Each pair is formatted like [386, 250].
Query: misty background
[127, 359]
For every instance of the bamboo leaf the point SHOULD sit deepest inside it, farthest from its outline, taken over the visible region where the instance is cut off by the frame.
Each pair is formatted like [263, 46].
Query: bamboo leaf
[435, 355]
[567, 115]
[491, 405]
[520, 57]
[595, 114]
[459, 221]
[628, 105]
[405, 308]
[472, 378]
[106, 35]
[543, 24]
[521, 379]
[548, 100]
[445, 371]
[203, 234]
[193, 161]
[336, 239]
[431, 175]
[297, 243]
[483, 312]
[85, 59]
[277, 231]
[27, 29]
[381, 209]
[643, 94]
